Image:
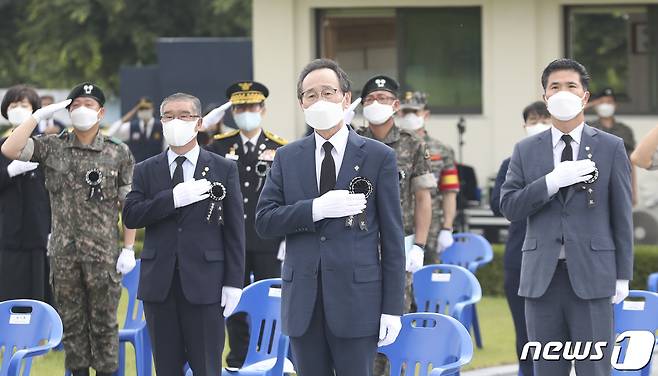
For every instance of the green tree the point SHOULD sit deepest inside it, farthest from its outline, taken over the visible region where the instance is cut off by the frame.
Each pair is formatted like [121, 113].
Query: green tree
[58, 43]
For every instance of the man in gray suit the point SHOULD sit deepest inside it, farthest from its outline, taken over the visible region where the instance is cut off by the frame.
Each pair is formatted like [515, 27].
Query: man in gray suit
[334, 195]
[573, 184]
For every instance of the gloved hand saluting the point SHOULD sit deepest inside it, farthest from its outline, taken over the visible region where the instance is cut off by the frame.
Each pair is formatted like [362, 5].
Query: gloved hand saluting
[49, 110]
[17, 167]
[190, 192]
[214, 116]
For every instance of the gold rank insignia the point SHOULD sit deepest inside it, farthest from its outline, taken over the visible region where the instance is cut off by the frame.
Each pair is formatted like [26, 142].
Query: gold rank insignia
[245, 85]
[279, 140]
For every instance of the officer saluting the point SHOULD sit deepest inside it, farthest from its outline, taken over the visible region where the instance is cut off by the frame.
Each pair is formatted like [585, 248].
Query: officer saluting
[253, 149]
[88, 176]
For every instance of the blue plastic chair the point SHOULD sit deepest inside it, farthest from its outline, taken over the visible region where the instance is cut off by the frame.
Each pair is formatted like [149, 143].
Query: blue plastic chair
[629, 316]
[652, 282]
[268, 347]
[25, 332]
[134, 329]
[447, 289]
[470, 251]
[431, 341]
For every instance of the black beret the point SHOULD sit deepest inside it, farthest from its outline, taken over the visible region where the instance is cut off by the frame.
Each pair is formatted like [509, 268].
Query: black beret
[380, 82]
[607, 92]
[247, 92]
[88, 89]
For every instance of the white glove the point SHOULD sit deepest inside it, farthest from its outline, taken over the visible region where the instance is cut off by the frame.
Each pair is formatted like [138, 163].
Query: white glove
[444, 240]
[214, 116]
[190, 192]
[621, 291]
[281, 255]
[415, 259]
[348, 115]
[337, 204]
[230, 299]
[389, 328]
[17, 167]
[48, 111]
[126, 261]
[568, 173]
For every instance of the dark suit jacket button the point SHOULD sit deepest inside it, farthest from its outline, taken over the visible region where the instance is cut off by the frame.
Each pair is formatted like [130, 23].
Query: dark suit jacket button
[323, 238]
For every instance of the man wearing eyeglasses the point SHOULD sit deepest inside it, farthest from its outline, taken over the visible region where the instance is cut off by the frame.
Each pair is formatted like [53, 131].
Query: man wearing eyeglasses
[192, 266]
[334, 195]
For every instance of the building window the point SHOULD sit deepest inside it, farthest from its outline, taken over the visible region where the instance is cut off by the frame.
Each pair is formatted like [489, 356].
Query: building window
[435, 50]
[618, 46]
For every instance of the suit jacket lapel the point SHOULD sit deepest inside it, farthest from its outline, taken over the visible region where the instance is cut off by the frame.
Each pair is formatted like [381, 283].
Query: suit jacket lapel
[162, 173]
[306, 172]
[353, 157]
[587, 139]
[545, 151]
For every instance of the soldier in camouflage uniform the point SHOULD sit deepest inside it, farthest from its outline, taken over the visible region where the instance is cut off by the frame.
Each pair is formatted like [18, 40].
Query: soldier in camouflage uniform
[88, 176]
[416, 180]
[413, 115]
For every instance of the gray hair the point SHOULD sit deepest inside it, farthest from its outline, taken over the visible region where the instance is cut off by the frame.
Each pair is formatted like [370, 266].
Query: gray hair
[182, 97]
[316, 64]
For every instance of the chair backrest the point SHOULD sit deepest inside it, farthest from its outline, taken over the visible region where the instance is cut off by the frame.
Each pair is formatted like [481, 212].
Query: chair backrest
[135, 311]
[261, 301]
[26, 324]
[639, 311]
[652, 282]
[428, 340]
[469, 250]
[446, 289]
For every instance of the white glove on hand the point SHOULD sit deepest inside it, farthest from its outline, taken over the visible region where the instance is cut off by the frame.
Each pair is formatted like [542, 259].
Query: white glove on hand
[281, 255]
[190, 192]
[230, 299]
[570, 172]
[415, 259]
[444, 240]
[337, 204]
[214, 116]
[348, 115]
[48, 111]
[126, 261]
[389, 328]
[17, 167]
[621, 291]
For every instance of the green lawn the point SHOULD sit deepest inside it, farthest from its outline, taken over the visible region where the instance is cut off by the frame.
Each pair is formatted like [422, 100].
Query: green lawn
[495, 322]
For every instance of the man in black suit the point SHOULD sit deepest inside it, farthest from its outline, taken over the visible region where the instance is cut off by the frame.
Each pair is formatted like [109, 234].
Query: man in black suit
[189, 200]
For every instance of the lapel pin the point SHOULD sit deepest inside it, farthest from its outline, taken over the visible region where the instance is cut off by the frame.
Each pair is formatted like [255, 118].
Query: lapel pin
[587, 148]
[356, 168]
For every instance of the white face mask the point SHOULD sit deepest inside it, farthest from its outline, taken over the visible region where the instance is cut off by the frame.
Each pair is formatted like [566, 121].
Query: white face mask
[145, 115]
[178, 132]
[83, 118]
[411, 122]
[564, 105]
[605, 110]
[323, 115]
[18, 115]
[532, 130]
[377, 113]
[247, 120]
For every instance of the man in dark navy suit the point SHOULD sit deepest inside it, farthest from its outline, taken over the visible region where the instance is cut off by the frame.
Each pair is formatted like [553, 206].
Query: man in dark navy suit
[335, 196]
[189, 200]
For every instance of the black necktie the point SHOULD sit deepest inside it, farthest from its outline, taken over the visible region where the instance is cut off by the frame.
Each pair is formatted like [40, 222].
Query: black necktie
[328, 170]
[567, 155]
[178, 171]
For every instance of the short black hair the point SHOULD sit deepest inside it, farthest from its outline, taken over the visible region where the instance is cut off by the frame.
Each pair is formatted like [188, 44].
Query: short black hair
[18, 93]
[537, 108]
[316, 64]
[565, 64]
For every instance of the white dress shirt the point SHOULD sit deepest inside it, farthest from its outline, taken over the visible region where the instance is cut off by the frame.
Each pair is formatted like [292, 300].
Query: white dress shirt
[188, 166]
[254, 141]
[559, 145]
[339, 141]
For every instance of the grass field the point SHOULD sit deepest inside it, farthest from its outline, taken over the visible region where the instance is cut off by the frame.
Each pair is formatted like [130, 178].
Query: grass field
[495, 322]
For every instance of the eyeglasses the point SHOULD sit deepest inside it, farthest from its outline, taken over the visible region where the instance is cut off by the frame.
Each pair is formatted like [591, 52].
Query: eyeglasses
[184, 117]
[325, 92]
[382, 98]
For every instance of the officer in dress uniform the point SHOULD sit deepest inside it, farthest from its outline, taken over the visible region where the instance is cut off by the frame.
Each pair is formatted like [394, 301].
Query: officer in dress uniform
[253, 149]
[88, 176]
[142, 133]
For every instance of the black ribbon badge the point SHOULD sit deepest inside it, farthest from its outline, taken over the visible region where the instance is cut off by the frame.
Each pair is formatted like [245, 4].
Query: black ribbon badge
[94, 178]
[217, 194]
[261, 169]
[359, 185]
